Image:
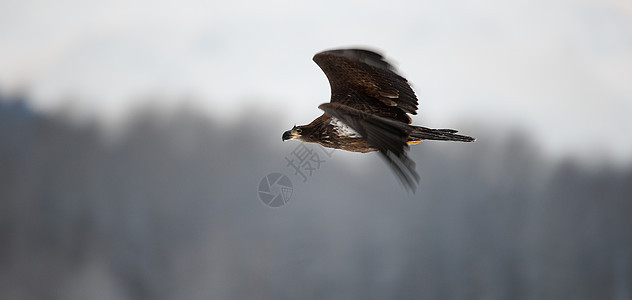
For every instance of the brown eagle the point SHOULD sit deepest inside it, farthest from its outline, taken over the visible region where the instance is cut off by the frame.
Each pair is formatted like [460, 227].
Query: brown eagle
[368, 111]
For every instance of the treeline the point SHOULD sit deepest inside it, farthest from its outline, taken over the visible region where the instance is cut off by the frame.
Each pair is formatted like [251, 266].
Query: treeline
[169, 209]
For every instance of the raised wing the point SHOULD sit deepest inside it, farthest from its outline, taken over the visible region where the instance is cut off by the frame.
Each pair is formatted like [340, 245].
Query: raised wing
[362, 79]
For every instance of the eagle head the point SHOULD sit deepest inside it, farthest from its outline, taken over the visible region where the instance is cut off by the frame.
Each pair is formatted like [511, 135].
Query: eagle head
[293, 133]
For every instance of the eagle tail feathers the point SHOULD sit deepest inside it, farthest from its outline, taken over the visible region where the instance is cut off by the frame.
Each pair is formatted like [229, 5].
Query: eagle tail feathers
[423, 133]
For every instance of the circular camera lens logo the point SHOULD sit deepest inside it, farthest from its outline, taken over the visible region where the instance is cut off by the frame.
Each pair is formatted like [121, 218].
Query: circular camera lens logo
[275, 189]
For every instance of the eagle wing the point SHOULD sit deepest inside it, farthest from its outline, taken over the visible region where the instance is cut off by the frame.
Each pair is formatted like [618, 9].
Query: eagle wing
[370, 97]
[362, 79]
[387, 136]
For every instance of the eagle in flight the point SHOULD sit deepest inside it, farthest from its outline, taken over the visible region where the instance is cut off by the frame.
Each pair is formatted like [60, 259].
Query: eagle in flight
[368, 111]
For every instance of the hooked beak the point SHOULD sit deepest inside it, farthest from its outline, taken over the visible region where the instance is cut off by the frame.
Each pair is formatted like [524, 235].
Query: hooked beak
[288, 135]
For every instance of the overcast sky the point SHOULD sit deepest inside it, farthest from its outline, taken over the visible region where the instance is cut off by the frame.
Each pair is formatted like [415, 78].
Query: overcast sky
[560, 69]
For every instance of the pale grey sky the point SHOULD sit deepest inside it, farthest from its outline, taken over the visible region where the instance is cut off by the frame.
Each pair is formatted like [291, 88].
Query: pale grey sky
[560, 69]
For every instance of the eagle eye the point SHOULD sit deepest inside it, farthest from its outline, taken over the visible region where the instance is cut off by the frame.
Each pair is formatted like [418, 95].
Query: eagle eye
[298, 130]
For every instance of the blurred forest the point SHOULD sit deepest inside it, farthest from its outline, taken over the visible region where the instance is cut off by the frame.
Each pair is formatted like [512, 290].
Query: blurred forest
[168, 209]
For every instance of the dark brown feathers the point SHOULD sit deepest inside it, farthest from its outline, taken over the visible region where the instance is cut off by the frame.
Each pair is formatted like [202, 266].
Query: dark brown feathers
[363, 79]
[389, 137]
[369, 97]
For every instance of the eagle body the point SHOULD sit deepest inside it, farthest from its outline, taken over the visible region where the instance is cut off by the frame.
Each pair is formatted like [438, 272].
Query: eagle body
[369, 111]
[333, 133]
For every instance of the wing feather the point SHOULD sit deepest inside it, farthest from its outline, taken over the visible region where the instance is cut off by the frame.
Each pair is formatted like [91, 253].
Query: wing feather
[362, 79]
[387, 136]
